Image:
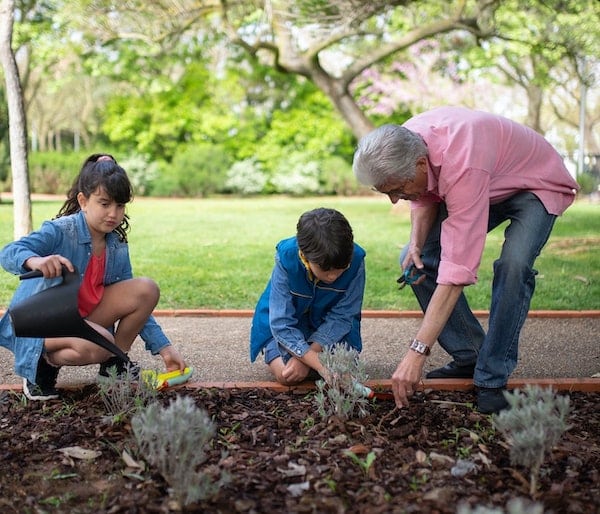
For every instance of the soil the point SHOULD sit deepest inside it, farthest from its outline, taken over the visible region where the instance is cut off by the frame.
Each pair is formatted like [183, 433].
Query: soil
[67, 456]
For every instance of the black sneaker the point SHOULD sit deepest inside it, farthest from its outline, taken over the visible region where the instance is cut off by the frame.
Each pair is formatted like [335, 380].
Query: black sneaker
[45, 382]
[122, 369]
[453, 370]
[491, 400]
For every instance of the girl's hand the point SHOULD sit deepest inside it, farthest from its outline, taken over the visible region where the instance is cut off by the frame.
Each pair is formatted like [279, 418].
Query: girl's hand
[51, 266]
[172, 359]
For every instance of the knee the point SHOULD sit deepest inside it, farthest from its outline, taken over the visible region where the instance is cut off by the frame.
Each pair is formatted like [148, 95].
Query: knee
[147, 289]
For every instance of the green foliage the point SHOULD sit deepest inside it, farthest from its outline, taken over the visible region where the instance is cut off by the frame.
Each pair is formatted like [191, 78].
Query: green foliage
[338, 178]
[588, 183]
[54, 172]
[198, 170]
[342, 394]
[364, 464]
[173, 439]
[308, 125]
[532, 425]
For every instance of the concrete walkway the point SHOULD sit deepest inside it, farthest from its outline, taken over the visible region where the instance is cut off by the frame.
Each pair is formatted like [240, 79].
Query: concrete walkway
[553, 345]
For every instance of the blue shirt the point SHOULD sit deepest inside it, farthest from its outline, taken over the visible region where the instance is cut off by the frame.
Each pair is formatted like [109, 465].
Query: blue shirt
[68, 236]
[297, 310]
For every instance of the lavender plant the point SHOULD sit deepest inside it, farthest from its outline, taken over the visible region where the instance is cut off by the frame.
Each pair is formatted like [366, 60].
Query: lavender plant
[122, 395]
[532, 425]
[341, 395]
[173, 439]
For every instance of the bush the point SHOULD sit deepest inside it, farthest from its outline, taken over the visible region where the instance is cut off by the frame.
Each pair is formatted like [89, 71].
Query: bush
[246, 177]
[338, 178]
[141, 173]
[342, 394]
[532, 426]
[297, 175]
[173, 439]
[54, 172]
[199, 170]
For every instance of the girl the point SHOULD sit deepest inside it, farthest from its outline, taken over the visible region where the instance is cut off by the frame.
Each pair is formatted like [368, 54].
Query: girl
[89, 234]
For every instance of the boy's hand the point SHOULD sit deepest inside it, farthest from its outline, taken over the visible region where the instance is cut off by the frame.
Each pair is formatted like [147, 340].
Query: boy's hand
[295, 370]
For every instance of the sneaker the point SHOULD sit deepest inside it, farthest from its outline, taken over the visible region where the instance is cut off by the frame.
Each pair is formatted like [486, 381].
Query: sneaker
[453, 370]
[45, 382]
[491, 400]
[122, 369]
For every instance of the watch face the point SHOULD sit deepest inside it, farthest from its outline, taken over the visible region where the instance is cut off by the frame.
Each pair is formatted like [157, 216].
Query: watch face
[419, 347]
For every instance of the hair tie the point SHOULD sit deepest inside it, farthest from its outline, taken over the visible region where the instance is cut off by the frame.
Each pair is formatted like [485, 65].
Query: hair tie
[104, 158]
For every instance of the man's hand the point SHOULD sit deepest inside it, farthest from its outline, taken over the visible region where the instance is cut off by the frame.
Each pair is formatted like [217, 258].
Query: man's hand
[406, 378]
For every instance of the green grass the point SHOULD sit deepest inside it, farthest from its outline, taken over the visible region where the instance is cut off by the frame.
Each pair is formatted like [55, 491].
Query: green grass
[218, 252]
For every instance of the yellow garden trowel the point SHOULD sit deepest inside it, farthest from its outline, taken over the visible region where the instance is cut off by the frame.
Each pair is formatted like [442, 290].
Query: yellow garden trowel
[161, 381]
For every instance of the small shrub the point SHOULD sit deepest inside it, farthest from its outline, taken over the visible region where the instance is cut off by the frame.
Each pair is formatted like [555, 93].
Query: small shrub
[122, 395]
[340, 396]
[246, 177]
[534, 423]
[141, 171]
[173, 439]
[297, 175]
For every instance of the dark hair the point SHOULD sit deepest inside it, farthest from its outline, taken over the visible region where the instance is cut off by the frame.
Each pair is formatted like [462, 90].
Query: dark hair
[100, 171]
[325, 237]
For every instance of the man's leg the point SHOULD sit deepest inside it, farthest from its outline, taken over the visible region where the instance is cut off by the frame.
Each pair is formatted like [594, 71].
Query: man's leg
[463, 334]
[513, 285]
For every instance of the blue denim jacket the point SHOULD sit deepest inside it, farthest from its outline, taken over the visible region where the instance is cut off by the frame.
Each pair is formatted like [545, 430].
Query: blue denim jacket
[297, 311]
[68, 236]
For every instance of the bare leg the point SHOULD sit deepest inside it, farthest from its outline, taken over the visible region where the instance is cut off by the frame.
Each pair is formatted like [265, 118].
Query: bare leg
[74, 351]
[129, 302]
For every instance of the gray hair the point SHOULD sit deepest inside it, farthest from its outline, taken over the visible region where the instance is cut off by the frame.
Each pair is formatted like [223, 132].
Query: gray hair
[388, 151]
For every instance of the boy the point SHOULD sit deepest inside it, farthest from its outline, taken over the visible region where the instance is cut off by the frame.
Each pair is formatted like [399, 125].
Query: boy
[313, 299]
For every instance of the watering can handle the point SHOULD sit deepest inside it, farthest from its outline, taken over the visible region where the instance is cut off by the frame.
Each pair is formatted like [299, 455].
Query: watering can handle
[31, 274]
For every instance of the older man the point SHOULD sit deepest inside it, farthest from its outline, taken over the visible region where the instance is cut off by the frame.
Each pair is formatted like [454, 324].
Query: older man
[465, 172]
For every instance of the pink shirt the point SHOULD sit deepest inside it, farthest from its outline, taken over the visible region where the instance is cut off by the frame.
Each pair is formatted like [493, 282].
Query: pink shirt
[477, 159]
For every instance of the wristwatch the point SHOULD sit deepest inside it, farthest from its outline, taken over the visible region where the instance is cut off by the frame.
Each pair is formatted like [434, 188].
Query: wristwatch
[420, 347]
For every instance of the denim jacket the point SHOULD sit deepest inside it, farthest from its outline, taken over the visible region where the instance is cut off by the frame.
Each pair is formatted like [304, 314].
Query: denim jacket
[68, 236]
[297, 310]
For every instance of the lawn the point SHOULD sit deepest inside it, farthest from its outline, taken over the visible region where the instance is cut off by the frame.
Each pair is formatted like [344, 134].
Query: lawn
[218, 252]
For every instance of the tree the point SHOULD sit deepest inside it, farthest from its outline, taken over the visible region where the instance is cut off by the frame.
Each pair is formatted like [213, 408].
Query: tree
[17, 124]
[347, 37]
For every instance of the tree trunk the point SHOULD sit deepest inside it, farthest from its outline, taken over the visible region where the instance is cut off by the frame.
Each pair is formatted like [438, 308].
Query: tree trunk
[342, 100]
[17, 126]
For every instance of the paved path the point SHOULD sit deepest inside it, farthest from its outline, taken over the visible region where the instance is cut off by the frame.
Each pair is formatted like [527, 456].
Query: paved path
[217, 347]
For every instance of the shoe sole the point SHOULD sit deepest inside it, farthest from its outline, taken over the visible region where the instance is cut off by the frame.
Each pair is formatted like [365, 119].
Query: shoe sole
[40, 397]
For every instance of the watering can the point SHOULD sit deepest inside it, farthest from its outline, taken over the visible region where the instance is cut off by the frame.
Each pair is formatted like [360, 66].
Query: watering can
[54, 312]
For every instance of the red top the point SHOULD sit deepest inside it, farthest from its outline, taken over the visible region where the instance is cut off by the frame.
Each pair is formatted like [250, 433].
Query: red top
[92, 286]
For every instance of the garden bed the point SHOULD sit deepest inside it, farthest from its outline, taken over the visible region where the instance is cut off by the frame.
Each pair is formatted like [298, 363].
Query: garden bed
[68, 456]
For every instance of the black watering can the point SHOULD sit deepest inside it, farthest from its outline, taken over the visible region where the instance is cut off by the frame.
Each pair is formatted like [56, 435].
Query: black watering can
[53, 312]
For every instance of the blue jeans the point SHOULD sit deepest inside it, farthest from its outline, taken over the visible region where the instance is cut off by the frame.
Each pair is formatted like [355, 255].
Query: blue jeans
[463, 337]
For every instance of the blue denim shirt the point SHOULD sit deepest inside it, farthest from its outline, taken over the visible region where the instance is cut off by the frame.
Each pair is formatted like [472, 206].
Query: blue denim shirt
[296, 311]
[68, 236]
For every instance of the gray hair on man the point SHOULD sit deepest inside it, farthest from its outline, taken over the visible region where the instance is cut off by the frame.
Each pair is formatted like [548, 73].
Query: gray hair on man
[388, 151]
